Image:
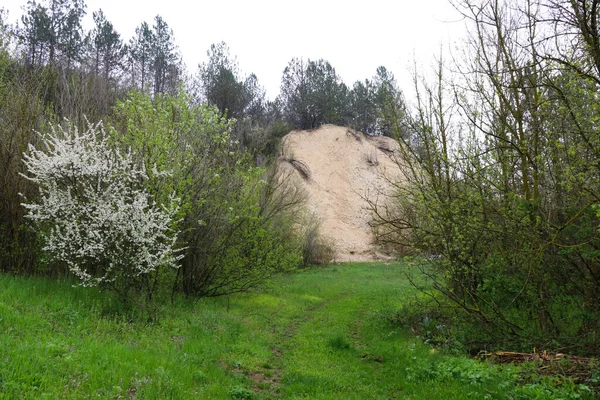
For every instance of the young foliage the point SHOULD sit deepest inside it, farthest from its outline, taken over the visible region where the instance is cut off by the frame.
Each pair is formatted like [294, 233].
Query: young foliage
[234, 240]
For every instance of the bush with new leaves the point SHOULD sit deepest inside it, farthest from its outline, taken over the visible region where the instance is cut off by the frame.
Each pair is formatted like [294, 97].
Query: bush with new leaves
[95, 214]
[236, 219]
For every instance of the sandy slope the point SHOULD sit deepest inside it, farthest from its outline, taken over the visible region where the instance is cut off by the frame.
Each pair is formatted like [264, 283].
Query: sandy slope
[345, 169]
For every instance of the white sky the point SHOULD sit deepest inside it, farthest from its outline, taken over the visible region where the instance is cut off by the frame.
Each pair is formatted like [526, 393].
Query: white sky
[354, 36]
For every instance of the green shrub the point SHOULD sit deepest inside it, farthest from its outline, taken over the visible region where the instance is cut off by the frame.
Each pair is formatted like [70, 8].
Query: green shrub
[234, 234]
[316, 249]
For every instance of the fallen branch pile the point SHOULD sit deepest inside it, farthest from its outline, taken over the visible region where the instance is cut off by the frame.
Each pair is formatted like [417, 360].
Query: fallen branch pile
[580, 369]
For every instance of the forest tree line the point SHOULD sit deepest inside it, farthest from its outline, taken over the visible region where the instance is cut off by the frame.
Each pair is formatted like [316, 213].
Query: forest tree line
[51, 34]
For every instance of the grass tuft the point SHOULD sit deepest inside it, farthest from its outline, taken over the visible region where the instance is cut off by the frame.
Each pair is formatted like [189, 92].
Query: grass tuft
[339, 342]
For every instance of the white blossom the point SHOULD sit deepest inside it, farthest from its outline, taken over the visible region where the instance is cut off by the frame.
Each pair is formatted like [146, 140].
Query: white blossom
[96, 215]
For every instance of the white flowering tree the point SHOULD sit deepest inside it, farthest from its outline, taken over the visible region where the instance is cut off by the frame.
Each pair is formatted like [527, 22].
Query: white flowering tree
[95, 214]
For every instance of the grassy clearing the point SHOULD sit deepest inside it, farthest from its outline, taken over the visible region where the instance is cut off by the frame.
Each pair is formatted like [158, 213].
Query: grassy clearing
[317, 334]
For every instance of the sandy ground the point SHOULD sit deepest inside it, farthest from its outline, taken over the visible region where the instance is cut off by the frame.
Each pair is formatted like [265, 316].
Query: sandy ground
[346, 169]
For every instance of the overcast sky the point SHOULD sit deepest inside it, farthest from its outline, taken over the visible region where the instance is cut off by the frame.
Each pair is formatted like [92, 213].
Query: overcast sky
[354, 36]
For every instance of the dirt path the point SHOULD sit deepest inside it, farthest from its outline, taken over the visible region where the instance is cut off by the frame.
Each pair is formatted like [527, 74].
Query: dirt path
[323, 338]
[268, 379]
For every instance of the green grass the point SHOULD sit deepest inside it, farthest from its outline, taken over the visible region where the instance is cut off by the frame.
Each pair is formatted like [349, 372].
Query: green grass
[317, 334]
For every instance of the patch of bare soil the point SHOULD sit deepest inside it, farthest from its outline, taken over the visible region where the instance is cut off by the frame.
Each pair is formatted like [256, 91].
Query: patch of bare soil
[342, 170]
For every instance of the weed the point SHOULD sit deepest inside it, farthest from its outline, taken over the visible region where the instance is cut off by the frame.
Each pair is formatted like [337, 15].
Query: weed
[339, 342]
[371, 158]
[241, 393]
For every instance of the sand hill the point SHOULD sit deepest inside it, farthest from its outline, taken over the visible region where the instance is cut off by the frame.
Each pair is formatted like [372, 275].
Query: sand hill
[346, 168]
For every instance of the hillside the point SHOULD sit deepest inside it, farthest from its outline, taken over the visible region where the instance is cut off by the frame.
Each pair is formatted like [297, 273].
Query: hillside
[347, 170]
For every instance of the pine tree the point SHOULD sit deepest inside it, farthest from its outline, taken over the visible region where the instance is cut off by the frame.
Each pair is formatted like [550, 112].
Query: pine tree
[107, 49]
